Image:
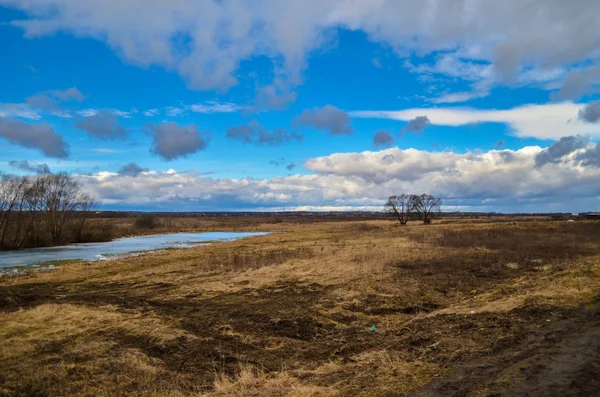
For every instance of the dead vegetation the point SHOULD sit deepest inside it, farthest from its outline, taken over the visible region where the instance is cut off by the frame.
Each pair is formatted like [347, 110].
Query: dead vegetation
[289, 314]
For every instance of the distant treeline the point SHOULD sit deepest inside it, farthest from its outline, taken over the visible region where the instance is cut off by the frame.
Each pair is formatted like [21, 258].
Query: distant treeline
[316, 214]
[44, 210]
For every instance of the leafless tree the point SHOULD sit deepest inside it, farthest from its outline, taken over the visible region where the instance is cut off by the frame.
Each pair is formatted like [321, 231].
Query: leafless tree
[426, 205]
[401, 206]
[61, 198]
[35, 211]
[12, 195]
[86, 205]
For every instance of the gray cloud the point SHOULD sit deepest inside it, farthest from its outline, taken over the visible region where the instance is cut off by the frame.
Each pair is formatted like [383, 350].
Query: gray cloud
[507, 156]
[564, 146]
[290, 166]
[328, 118]
[578, 81]
[70, 94]
[277, 162]
[590, 113]
[34, 136]
[590, 157]
[388, 159]
[51, 100]
[418, 124]
[244, 133]
[383, 138]
[104, 124]
[222, 34]
[256, 133]
[132, 169]
[273, 98]
[278, 136]
[30, 167]
[172, 141]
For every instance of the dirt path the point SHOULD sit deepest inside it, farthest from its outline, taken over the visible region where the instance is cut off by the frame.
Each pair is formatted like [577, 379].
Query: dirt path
[565, 361]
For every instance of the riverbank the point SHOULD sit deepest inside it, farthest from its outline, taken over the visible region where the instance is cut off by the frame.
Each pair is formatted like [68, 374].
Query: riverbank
[45, 258]
[291, 314]
[101, 230]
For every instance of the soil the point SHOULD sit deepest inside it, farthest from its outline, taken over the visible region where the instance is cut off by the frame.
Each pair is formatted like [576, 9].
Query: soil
[561, 359]
[529, 351]
[537, 349]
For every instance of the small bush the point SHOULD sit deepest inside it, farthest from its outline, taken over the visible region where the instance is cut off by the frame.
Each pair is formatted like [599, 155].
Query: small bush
[147, 222]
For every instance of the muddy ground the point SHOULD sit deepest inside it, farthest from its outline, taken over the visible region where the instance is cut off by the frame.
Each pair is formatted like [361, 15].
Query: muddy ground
[432, 342]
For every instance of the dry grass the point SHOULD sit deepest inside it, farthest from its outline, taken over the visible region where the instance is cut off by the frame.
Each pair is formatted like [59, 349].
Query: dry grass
[250, 381]
[288, 314]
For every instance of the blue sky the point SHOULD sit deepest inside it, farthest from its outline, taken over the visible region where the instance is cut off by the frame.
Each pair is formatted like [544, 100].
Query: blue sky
[245, 105]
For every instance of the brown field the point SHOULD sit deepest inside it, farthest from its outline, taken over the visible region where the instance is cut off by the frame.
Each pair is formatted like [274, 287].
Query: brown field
[462, 308]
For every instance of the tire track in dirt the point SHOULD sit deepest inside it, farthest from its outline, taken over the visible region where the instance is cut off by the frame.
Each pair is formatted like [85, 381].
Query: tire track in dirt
[563, 362]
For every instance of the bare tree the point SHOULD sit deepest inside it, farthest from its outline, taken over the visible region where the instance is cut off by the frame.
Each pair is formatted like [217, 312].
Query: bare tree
[30, 220]
[61, 198]
[426, 205]
[12, 195]
[35, 211]
[400, 206]
[86, 205]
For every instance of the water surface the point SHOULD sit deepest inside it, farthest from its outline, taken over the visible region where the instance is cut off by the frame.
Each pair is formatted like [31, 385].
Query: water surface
[119, 247]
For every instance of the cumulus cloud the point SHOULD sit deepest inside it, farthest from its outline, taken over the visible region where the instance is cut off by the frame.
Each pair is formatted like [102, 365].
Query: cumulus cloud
[557, 151]
[382, 138]
[104, 125]
[549, 121]
[328, 118]
[590, 157]
[590, 112]
[219, 35]
[256, 133]
[172, 141]
[34, 136]
[495, 180]
[132, 169]
[30, 167]
[418, 124]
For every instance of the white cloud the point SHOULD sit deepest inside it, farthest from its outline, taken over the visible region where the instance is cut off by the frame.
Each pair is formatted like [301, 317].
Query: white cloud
[92, 112]
[45, 102]
[480, 75]
[20, 110]
[458, 97]
[106, 150]
[451, 65]
[549, 121]
[510, 36]
[173, 111]
[214, 107]
[499, 180]
[150, 112]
